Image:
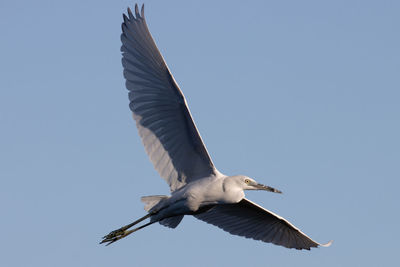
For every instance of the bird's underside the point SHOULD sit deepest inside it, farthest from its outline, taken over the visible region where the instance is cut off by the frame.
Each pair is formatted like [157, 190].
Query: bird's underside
[177, 151]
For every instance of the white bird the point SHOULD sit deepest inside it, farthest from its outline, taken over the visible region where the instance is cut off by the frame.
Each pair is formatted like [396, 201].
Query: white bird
[178, 153]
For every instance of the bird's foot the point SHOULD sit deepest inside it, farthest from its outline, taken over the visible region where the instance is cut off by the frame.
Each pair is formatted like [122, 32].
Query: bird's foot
[123, 231]
[115, 235]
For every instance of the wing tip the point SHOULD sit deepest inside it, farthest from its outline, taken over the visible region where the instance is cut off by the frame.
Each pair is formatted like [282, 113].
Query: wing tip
[317, 245]
[326, 244]
[137, 15]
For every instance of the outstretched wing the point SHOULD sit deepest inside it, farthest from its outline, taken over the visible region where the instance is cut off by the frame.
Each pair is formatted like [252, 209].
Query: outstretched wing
[252, 221]
[163, 119]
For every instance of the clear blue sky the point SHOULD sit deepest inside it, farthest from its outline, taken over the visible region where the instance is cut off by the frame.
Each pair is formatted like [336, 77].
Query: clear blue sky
[301, 95]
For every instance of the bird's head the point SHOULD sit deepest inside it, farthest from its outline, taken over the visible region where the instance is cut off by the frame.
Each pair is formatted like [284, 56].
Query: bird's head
[248, 183]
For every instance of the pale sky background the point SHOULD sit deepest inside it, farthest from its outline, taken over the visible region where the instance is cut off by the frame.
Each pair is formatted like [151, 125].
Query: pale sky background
[301, 95]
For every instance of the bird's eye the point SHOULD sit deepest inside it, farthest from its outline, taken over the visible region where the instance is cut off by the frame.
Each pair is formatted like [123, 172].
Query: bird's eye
[247, 181]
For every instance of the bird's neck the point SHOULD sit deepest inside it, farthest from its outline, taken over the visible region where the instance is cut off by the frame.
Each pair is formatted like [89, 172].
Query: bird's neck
[232, 192]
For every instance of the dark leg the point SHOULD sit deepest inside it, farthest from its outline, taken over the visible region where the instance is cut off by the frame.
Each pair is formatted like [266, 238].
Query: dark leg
[111, 240]
[121, 232]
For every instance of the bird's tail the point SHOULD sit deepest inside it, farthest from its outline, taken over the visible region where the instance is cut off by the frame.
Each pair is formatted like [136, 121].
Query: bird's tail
[151, 201]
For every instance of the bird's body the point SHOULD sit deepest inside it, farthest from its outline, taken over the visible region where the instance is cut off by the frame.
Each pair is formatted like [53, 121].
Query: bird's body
[190, 199]
[200, 194]
[209, 191]
[174, 145]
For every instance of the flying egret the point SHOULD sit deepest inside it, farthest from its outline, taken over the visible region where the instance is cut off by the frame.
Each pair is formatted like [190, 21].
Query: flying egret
[178, 153]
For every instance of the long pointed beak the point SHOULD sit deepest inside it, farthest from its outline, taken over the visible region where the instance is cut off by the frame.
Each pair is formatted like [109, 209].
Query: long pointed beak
[267, 188]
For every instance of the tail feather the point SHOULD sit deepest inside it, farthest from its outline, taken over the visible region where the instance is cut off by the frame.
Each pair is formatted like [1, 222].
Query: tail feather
[151, 201]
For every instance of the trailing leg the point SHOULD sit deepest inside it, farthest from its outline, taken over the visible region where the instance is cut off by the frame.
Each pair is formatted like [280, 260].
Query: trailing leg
[111, 239]
[122, 232]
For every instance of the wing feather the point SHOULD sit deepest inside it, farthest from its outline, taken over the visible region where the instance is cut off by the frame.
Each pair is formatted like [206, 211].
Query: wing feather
[163, 119]
[252, 221]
